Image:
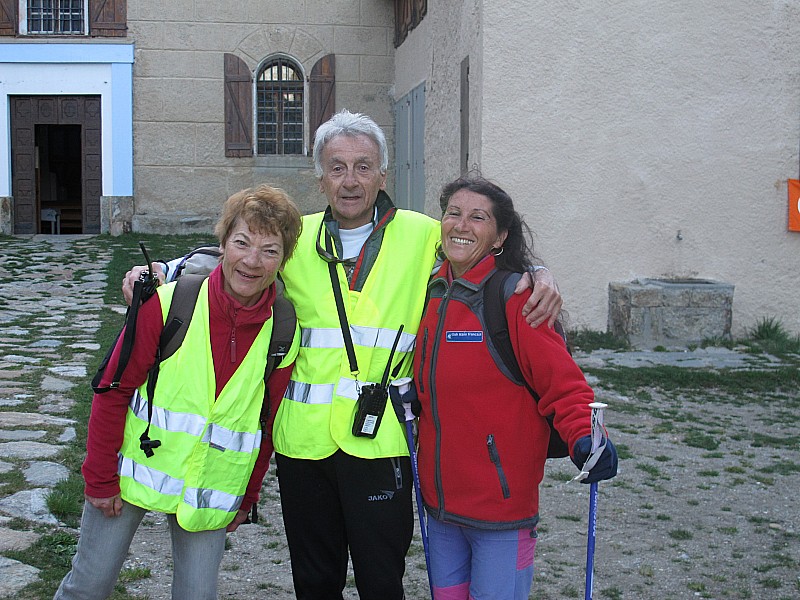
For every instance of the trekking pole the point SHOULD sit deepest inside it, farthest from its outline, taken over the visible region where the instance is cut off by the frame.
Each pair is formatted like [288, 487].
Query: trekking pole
[598, 442]
[403, 384]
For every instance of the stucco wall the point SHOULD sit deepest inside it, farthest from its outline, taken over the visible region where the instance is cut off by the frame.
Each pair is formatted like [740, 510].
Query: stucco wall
[651, 139]
[640, 139]
[180, 168]
[432, 54]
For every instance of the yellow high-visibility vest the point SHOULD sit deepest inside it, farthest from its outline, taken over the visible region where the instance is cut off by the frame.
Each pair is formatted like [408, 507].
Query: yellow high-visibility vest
[316, 416]
[208, 447]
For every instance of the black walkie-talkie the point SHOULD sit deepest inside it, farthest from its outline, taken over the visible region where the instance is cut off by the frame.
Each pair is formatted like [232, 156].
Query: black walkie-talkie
[372, 400]
[149, 281]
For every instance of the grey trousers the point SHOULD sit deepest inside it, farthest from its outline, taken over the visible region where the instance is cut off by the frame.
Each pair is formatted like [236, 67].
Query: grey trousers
[103, 546]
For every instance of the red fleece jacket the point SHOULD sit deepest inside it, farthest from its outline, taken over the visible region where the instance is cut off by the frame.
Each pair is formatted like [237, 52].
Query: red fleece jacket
[482, 438]
[233, 329]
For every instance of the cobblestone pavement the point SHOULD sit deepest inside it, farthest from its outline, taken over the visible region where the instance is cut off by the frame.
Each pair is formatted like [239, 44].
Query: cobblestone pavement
[49, 308]
[50, 301]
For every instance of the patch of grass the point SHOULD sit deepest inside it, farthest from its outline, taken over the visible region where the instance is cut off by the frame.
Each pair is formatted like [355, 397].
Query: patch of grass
[697, 439]
[771, 583]
[664, 427]
[12, 482]
[735, 469]
[560, 475]
[52, 555]
[66, 500]
[623, 451]
[770, 335]
[573, 518]
[696, 586]
[680, 534]
[570, 591]
[724, 382]
[651, 470]
[760, 440]
[134, 574]
[587, 340]
[612, 593]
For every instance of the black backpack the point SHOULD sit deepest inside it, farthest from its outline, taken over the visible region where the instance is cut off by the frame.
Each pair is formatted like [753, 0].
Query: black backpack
[495, 297]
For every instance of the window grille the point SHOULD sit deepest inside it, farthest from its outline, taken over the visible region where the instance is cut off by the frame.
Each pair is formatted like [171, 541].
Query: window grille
[55, 16]
[279, 108]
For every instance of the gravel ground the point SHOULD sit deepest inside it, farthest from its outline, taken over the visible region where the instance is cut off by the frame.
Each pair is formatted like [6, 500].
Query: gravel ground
[705, 505]
[682, 519]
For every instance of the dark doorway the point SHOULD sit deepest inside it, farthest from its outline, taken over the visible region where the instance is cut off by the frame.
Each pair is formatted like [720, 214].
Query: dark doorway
[59, 178]
[56, 163]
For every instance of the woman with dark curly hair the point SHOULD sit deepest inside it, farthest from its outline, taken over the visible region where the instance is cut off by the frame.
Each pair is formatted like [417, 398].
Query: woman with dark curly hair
[483, 438]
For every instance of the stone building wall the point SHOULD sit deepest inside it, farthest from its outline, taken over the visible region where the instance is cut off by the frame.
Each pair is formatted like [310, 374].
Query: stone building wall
[181, 174]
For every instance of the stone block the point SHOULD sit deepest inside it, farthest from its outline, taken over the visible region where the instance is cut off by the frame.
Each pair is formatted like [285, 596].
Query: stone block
[670, 313]
[116, 214]
[7, 215]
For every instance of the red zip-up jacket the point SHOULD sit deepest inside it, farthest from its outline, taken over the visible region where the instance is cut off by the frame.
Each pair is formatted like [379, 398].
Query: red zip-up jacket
[233, 329]
[483, 438]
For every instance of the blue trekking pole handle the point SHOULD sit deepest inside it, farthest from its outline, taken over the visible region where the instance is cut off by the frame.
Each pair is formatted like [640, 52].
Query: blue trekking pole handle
[597, 436]
[404, 383]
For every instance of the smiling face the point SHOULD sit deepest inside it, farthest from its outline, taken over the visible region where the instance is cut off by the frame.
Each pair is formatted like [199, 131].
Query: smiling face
[250, 262]
[469, 230]
[351, 178]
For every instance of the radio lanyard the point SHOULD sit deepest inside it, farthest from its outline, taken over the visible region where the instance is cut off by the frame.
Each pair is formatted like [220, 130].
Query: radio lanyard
[337, 294]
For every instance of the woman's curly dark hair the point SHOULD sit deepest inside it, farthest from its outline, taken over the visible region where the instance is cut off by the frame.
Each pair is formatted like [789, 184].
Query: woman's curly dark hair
[517, 252]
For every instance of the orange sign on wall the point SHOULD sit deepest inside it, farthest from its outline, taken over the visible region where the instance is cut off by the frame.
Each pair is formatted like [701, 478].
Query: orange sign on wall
[794, 205]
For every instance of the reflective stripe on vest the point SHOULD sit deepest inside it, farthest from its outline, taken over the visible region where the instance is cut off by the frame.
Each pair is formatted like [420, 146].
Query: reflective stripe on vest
[369, 337]
[155, 480]
[323, 394]
[167, 419]
[218, 436]
[164, 484]
[317, 419]
[205, 498]
[308, 393]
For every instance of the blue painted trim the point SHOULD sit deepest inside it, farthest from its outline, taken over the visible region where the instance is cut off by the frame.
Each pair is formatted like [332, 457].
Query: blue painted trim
[122, 122]
[86, 52]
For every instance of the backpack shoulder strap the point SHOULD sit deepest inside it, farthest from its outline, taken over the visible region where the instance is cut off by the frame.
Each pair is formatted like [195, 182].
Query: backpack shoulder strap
[284, 323]
[184, 299]
[495, 297]
[494, 312]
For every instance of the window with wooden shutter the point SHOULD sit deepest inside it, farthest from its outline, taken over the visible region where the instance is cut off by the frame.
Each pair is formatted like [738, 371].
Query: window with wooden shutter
[238, 108]
[279, 107]
[321, 94]
[407, 15]
[8, 17]
[108, 18]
